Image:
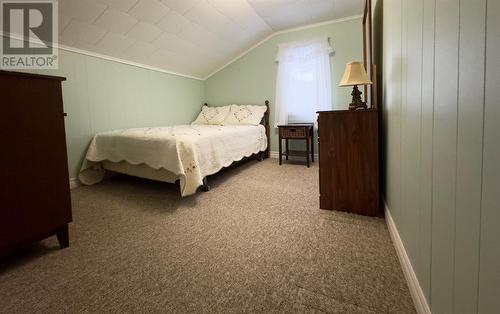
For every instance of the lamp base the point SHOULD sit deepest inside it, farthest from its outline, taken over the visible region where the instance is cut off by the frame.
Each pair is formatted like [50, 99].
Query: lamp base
[357, 103]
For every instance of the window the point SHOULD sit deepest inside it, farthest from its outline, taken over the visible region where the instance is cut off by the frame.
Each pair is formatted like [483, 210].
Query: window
[304, 81]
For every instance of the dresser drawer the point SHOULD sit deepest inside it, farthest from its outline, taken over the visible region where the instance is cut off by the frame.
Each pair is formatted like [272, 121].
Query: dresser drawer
[293, 132]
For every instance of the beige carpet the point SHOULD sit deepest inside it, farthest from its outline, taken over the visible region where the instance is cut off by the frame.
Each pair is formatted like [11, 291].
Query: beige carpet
[257, 242]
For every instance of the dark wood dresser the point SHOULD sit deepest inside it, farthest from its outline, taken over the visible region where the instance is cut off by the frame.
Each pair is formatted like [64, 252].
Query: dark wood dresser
[348, 161]
[34, 196]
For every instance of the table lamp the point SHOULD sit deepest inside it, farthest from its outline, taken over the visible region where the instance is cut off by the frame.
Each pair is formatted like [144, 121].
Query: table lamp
[355, 75]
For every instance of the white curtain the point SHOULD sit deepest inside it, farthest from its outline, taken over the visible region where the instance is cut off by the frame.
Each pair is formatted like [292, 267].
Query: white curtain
[304, 81]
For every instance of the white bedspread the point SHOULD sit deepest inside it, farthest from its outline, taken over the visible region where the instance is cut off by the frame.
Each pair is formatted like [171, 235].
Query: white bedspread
[189, 151]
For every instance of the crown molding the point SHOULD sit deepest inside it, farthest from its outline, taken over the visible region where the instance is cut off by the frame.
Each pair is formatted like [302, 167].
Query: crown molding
[289, 30]
[108, 58]
[144, 66]
[299, 28]
[135, 64]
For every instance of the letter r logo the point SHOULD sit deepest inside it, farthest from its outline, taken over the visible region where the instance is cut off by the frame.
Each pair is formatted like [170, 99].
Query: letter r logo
[33, 21]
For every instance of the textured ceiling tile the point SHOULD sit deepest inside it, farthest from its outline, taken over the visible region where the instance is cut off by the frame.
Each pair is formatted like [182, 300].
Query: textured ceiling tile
[236, 35]
[63, 22]
[271, 6]
[173, 23]
[86, 11]
[199, 36]
[229, 49]
[151, 11]
[256, 33]
[241, 12]
[87, 47]
[205, 69]
[281, 22]
[181, 6]
[292, 15]
[192, 33]
[144, 32]
[284, 14]
[323, 11]
[139, 50]
[116, 21]
[112, 42]
[209, 17]
[174, 44]
[122, 5]
[173, 62]
[164, 59]
[348, 8]
[203, 13]
[81, 33]
[192, 37]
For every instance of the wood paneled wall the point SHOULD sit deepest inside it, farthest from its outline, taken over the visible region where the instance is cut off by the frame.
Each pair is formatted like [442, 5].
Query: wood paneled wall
[441, 133]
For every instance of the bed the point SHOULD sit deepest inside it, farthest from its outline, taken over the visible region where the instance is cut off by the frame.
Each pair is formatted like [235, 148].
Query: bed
[184, 153]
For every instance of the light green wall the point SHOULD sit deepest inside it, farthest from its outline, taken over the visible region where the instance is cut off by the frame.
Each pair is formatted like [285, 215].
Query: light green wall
[252, 78]
[440, 140]
[101, 95]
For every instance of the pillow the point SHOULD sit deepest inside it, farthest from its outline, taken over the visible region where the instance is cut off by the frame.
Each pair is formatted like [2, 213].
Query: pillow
[245, 114]
[212, 115]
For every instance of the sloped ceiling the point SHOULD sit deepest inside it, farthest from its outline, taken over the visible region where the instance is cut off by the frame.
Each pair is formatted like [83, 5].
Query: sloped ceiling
[190, 37]
[283, 14]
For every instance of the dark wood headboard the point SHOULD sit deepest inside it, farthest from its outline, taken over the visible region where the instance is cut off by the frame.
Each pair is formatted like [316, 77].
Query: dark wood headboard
[265, 123]
[268, 129]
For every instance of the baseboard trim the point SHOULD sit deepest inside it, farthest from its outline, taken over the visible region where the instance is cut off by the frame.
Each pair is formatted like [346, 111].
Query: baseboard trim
[416, 292]
[275, 154]
[74, 183]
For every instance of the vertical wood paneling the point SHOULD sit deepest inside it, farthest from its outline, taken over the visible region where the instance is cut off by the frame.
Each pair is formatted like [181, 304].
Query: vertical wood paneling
[444, 154]
[469, 154]
[101, 95]
[489, 271]
[447, 161]
[425, 218]
[393, 106]
[386, 86]
[405, 233]
[97, 94]
[75, 98]
[410, 128]
[116, 95]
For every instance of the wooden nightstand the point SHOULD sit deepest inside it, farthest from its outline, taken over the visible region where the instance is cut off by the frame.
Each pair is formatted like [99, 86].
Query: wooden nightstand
[297, 131]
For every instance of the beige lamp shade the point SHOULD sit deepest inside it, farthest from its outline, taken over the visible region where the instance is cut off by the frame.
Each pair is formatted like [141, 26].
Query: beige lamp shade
[354, 74]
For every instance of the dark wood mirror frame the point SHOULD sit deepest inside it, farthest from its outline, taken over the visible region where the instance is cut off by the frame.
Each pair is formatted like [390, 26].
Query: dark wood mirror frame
[370, 95]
